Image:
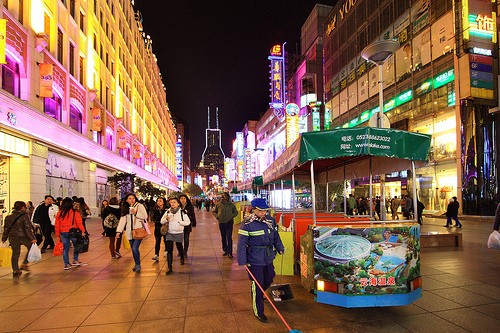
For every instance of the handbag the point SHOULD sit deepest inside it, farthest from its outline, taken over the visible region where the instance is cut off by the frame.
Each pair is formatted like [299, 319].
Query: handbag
[74, 232]
[58, 249]
[138, 233]
[82, 244]
[164, 229]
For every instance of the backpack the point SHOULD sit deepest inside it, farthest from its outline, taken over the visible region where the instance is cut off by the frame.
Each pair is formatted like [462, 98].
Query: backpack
[111, 221]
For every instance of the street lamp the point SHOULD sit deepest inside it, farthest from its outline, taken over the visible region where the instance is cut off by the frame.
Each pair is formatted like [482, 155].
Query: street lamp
[377, 53]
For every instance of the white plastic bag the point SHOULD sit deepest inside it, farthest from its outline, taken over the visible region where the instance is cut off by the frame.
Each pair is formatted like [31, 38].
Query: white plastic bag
[494, 240]
[34, 254]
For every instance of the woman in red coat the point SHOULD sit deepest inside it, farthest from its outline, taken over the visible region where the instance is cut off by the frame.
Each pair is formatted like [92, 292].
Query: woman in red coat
[67, 218]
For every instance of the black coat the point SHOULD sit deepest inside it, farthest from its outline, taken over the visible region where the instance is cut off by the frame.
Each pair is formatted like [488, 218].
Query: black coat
[452, 209]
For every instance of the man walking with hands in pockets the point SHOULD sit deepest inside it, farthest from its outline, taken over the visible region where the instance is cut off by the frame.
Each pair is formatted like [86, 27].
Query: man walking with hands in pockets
[225, 211]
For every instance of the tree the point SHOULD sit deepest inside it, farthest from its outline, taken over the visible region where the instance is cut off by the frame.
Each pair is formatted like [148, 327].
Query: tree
[123, 182]
[192, 189]
[148, 189]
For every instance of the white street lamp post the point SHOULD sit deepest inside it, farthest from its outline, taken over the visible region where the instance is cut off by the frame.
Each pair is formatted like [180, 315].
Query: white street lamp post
[377, 53]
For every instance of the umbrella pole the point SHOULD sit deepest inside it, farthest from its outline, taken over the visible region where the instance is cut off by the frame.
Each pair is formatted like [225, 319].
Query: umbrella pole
[292, 225]
[371, 190]
[345, 193]
[313, 194]
[282, 199]
[414, 191]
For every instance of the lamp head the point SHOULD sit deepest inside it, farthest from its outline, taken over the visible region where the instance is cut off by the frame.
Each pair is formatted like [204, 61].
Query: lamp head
[378, 52]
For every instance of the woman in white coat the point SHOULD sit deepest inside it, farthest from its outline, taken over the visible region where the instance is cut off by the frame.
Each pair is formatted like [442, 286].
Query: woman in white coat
[132, 212]
[177, 219]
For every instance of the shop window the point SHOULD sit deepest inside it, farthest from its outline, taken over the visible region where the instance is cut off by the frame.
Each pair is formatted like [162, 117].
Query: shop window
[75, 118]
[52, 107]
[60, 46]
[109, 138]
[11, 78]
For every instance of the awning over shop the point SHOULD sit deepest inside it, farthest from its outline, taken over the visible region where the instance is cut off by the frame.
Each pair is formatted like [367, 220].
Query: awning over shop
[347, 152]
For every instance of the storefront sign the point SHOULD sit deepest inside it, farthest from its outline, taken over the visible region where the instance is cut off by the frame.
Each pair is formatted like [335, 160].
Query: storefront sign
[444, 78]
[481, 76]
[292, 123]
[13, 144]
[277, 80]
[3, 39]
[479, 22]
[46, 79]
[137, 151]
[178, 158]
[339, 15]
[239, 145]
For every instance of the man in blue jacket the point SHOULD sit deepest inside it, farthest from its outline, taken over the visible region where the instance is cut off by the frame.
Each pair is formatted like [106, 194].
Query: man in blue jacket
[258, 242]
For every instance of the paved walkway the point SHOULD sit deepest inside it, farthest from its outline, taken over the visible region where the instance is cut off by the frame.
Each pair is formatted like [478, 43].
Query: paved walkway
[211, 293]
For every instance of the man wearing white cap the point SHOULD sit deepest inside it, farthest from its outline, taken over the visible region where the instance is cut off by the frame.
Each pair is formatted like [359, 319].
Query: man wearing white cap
[258, 242]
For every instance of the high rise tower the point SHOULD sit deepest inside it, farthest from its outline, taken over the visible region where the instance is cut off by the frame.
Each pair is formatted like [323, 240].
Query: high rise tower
[213, 155]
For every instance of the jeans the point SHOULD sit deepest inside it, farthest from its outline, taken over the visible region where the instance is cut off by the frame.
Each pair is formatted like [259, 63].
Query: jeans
[226, 233]
[15, 244]
[65, 240]
[134, 245]
[186, 240]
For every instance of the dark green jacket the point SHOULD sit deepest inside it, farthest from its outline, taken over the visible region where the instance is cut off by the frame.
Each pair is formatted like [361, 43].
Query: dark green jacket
[225, 211]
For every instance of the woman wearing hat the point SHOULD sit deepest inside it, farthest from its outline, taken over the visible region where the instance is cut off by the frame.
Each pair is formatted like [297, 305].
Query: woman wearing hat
[258, 242]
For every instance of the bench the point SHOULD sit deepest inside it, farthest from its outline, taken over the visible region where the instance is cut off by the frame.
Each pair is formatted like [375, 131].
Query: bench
[441, 239]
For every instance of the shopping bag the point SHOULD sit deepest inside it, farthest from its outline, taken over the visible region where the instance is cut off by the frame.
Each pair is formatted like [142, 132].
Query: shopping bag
[34, 254]
[82, 244]
[146, 227]
[5, 256]
[125, 242]
[494, 240]
[58, 249]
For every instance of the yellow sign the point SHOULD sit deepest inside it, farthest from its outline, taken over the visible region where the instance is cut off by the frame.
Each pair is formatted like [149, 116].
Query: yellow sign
[3, 38]
[46, 79]
[96, 120]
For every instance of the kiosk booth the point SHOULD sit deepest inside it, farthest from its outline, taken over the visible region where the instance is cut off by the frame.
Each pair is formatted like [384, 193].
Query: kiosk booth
[354, 261]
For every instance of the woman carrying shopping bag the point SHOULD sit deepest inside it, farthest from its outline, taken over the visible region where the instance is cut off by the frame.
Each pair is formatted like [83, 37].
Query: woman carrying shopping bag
[19, 230]
[134, 216]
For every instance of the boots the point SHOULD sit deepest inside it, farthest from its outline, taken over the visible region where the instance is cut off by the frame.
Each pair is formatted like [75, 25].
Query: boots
[182, 259]
[170, 259]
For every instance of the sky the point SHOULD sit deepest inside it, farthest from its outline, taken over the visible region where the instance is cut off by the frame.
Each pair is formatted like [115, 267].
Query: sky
[213, 53]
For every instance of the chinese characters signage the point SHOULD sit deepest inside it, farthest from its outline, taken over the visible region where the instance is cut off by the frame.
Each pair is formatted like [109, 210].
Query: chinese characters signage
[277, 81]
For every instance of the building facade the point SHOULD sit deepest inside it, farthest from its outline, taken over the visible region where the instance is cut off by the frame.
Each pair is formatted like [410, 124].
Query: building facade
[213, 156]
[81, 98]
[441, 81]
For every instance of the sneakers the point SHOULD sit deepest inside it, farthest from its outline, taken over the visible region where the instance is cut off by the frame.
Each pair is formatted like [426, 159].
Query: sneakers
[17, 273]
[165, 254]
[76, 263]
[230, 256]
[224, 254]
[114, 257]
[25, 267]
[156, 258]
[137, 268]
[67, 266]
[118, 255]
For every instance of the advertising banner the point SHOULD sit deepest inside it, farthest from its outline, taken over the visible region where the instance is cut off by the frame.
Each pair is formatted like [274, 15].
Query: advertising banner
[96, 120]
[46, 79]
[137, 151]
[369, 261]
[3, 39]
[122, 139]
